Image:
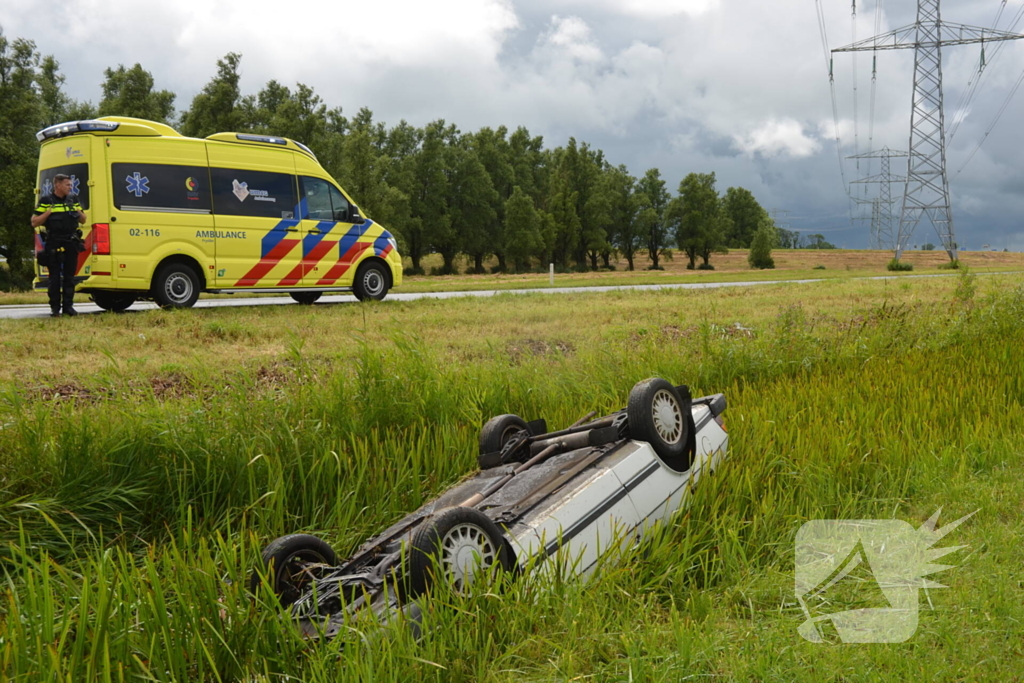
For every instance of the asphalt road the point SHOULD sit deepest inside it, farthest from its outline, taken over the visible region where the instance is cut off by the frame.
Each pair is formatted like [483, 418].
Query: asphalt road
[37, 311]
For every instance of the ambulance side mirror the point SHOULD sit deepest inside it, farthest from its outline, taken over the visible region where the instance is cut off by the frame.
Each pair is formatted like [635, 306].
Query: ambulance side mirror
[353, 215]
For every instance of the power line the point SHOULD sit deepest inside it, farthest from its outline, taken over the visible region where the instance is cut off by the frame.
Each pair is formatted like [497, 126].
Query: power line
[984, 137]
[974, 84]
[835, 105]
[927, 185]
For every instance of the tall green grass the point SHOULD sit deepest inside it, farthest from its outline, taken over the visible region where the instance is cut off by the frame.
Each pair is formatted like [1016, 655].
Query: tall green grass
[120, 520]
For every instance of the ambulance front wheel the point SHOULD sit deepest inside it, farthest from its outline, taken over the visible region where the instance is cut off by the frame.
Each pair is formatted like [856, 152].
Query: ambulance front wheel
[371, 282]
[176, 285]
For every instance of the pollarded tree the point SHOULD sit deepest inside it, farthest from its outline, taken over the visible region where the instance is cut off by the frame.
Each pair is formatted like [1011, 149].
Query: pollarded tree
[428, 221]
[626, 231]
[522, 230]
[129, 92]
[565, 222]
[652, 205]
[698, 217]
[578, 169]
[470, 202]
[496, 155]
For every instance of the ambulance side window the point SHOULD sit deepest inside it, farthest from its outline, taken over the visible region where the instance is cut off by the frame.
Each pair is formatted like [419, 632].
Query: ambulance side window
[257, 194]
[160, 187]
[339, 204]
[317, 194]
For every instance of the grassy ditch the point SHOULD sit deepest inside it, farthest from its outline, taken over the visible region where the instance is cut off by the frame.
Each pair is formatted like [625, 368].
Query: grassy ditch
[121, 513]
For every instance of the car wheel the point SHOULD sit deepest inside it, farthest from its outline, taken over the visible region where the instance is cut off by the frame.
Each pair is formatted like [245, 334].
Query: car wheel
[454, 544]
[113, 301]
[658, 416]
[288, 564]
[176, 286]
[306, 298]
[371, 282]
[498, 431]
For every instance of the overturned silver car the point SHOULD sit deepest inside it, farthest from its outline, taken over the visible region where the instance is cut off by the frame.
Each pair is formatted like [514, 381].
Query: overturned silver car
[569, 494]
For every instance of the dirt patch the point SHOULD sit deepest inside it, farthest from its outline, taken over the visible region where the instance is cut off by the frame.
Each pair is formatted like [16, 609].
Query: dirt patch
[69, 391]
[665, 333]
[521, 349]
[171, 386]
[272, 377]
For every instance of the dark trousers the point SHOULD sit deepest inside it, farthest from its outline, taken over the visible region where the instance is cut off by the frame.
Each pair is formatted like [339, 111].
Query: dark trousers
[63, 263]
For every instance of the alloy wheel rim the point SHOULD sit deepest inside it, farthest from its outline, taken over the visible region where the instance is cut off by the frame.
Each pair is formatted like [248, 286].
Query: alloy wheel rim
[668, 418]
[465, 549]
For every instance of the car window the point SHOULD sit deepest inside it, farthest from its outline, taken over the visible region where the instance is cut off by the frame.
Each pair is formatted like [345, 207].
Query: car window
[339, 203]
[79, 174]
[161, 187]
[317, 193]
[241, 192]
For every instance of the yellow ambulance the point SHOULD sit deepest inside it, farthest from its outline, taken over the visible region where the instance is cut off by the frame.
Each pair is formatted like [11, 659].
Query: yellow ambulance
[172, 216]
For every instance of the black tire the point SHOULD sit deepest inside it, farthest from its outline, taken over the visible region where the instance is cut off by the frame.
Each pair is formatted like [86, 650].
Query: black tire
[658, 416]
[454, 543]
[497, 432]
[371, 282]
[306, 298]
[175, 285]
[113, 301]
[285, 563]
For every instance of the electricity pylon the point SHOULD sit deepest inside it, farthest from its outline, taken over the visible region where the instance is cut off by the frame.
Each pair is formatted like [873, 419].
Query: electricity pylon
[881, 210]
[927, 184]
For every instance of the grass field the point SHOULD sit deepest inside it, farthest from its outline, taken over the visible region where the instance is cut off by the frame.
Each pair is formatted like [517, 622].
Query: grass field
[791, 264]
[146, 457]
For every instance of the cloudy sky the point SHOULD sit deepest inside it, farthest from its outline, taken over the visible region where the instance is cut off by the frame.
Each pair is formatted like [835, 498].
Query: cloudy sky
[738, 87]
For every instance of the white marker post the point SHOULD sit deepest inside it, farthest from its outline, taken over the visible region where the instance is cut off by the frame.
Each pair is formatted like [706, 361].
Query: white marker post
[551, 273]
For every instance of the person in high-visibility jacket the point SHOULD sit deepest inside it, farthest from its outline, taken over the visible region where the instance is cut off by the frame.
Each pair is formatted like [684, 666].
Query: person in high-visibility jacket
[61, 213]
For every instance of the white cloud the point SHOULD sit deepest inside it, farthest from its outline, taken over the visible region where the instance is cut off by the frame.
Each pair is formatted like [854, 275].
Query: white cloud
[736, 87]
[648, 9]
[777, 138]
[572, 35]
[663, 8]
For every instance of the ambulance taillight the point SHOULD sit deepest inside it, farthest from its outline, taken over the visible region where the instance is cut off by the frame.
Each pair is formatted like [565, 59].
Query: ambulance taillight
[101, 239]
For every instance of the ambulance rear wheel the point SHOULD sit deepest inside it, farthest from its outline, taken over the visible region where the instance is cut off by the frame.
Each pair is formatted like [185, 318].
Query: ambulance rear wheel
[176, 285]
[371, 282]
[113, 301]
[306, 298]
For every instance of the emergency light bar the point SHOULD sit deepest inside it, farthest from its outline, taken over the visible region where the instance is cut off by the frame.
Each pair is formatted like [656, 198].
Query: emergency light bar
[71, 127]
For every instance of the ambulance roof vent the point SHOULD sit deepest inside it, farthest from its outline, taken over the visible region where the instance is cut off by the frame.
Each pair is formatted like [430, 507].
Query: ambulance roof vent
[269, 139]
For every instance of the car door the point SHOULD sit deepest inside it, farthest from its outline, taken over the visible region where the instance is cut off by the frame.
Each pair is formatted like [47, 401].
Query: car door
[255, 213]
[329, 240]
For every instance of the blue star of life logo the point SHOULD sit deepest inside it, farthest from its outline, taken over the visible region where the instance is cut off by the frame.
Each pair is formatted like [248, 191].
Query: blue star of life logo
[75, 182]
[47, 187]
[138, 185]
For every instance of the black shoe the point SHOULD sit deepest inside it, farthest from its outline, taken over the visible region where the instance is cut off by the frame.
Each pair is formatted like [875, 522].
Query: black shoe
[55, 313]
[69, 311]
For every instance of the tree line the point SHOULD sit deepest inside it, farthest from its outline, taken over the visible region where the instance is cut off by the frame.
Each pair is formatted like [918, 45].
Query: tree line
[494, 193]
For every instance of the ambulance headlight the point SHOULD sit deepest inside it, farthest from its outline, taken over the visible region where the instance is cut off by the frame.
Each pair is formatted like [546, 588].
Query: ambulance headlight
[393, 243]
